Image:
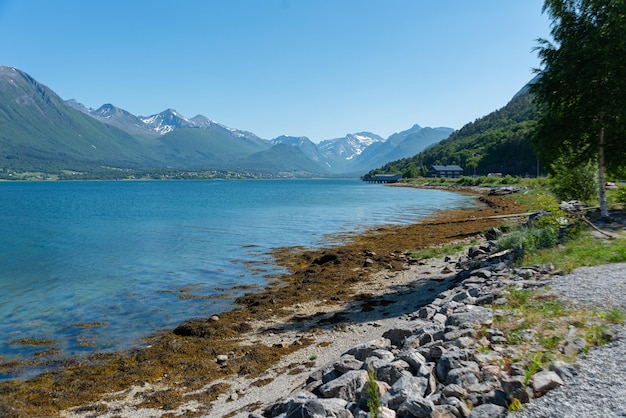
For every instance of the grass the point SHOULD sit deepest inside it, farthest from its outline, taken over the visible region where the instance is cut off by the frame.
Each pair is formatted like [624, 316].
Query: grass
[581, 251]
[535, 320]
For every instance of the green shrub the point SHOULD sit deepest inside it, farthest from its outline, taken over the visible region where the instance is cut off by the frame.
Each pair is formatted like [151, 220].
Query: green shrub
[530, 238]
[621, 195]
[373, 401]
[574, 183]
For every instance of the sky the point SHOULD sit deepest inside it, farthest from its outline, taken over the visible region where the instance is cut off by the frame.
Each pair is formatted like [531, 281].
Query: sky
[315, 68]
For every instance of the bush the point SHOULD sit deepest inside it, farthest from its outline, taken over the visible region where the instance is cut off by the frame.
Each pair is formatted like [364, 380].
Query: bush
[621, 195]
[530, 238]
[574, 183]
[548, 230]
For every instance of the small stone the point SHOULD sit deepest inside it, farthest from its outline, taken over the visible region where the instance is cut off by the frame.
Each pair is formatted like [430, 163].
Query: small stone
[222, 358]
[214, 318]
[545, 381]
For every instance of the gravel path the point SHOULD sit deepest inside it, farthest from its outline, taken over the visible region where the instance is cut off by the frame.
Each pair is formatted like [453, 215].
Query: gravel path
[599, 388]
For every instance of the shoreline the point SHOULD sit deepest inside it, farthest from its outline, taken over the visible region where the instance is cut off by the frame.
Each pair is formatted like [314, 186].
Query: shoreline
[193, 362]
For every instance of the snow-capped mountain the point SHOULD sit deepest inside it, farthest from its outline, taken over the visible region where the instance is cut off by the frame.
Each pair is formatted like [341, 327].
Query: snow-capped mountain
[348, 147]
[166, 121]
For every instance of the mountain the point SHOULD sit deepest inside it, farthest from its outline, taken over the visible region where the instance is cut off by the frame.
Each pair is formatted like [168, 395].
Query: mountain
[283, 159]
[401, 145]
[117, 117]
[498, 142]
[305, 145]
[42, 132]
[341, 154]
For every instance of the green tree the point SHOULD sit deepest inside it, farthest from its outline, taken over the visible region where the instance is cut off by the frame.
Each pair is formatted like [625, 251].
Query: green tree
[568, 183]
[581, 90]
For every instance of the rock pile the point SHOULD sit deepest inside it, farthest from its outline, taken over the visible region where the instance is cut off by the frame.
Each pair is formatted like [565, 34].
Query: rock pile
[444, 360]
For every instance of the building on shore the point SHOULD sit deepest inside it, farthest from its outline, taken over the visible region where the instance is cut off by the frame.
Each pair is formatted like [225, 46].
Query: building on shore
[448, 171]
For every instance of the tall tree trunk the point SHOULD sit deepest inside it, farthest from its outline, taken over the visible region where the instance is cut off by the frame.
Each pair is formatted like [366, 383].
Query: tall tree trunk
[604, 209]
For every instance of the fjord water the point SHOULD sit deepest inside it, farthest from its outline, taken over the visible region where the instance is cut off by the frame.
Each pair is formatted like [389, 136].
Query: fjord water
[98, 265]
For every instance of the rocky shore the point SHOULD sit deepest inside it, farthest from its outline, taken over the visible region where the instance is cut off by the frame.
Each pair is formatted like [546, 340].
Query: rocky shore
[443, 360]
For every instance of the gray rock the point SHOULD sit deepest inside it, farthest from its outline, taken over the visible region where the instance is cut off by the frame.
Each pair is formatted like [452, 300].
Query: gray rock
[473, 315]
[463, 376]
[488, 411]
[574, 346]
[445, 411]
[319, 408]
[398, 335]
[493, 233]
[454, 390]
[382, 355]
[457, 332]
[564, 370]
[426, 312]
[514, 388]
[461, 407]
[451, 360]
[413, 358]
[427, 371]
[403, 389]
[365, 350]
[483, 273]
[437, 351]
[545, 381]
[346, 363]
[484, 299]
[461, 296]
[416, 406]
[330, 374]
[393, 371]
[465, 342]
[345, 387]
[475, 251]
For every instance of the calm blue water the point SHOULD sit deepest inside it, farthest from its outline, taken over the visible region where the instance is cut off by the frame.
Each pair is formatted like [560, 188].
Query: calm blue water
[118, 252]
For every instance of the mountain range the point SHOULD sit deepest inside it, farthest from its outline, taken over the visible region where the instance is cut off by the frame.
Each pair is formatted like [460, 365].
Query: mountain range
[42, 132]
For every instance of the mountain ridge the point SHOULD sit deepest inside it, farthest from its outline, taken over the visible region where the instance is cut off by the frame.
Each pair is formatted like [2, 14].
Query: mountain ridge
[43, 133]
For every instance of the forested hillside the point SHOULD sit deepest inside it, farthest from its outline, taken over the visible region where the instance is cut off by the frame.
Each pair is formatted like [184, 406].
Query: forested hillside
[498, 142]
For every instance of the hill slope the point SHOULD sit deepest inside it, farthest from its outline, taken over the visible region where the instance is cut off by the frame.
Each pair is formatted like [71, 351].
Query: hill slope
[498, 142]
[38, 129]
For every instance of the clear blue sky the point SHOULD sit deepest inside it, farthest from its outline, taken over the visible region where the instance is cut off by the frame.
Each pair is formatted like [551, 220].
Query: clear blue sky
[316, 68]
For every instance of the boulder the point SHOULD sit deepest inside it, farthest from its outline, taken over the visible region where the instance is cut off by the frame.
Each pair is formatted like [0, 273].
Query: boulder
[416, 406]
[545, 381]
[472, 315]
[346, 363]
[403, 389]
[489, 411]
[365, 350]
[346, 387]
[413, 359]
[515, 388]
[319, 408]
[393, 371]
